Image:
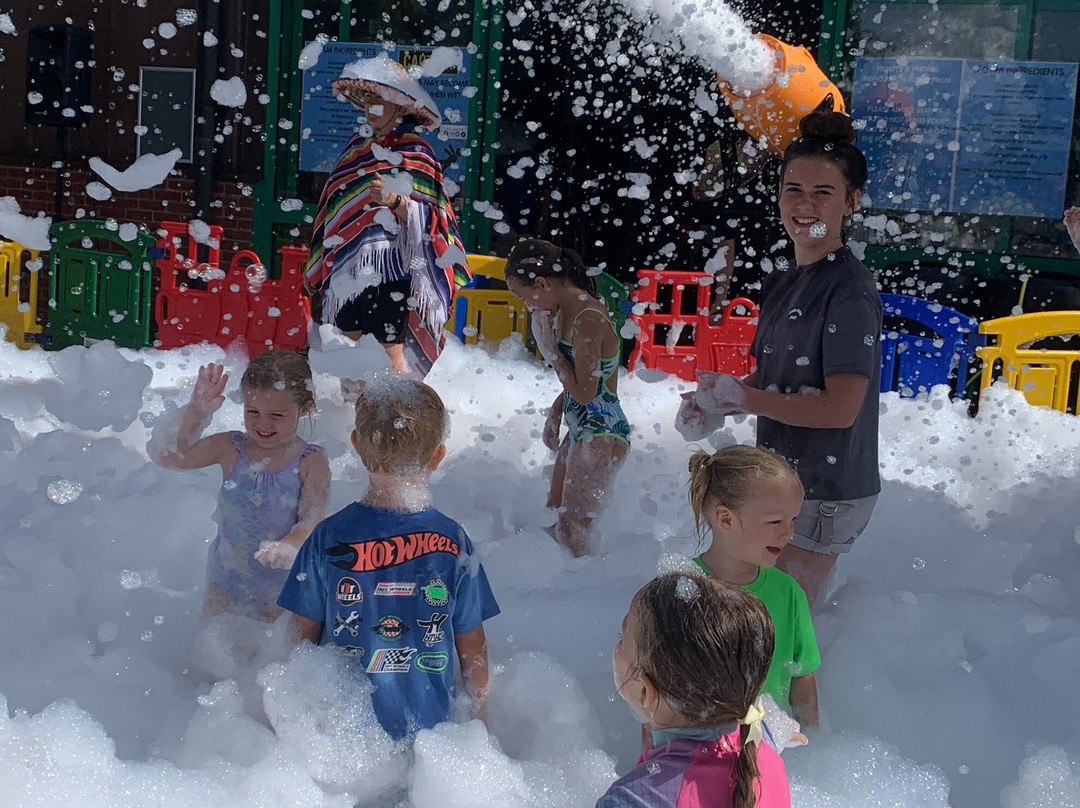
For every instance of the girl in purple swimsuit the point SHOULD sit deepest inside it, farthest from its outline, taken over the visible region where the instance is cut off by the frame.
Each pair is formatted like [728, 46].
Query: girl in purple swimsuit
[275, 484]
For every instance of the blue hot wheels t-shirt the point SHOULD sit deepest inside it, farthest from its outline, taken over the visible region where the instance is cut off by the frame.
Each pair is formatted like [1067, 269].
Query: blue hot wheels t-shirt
[393, 590]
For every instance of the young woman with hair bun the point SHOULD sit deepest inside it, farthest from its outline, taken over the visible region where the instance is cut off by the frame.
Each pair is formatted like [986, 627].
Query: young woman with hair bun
[815, 389]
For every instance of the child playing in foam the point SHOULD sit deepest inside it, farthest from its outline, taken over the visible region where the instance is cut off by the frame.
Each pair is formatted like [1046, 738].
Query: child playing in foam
[573, 331]
[747, 499]
[275, 484]
[389, 580]
[690, 662]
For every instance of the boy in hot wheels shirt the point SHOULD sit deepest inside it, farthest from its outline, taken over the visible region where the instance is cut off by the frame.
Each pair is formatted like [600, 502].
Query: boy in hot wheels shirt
[391, 581]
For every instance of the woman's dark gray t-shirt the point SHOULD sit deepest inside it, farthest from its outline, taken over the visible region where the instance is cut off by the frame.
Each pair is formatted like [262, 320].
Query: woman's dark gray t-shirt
[822, 320]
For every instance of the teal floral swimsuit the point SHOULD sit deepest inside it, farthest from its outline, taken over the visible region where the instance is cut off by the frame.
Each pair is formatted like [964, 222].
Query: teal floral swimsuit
[603, 416]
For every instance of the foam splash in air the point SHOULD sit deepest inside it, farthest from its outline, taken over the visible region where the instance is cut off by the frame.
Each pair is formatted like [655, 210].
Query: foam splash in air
[714, 34]
[149, 171]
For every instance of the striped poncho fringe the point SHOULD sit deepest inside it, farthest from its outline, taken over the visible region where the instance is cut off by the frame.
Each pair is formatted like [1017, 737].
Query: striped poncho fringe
[353, 235]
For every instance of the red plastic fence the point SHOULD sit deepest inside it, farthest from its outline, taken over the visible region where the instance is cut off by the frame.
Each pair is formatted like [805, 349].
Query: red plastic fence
[676, 333]
[280, 312]
[177, 239]
[728, 342]
[239, 303]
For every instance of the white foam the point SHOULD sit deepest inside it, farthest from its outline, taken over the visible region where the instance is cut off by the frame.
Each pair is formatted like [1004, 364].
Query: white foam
[230, 92]
[30, 231]
[149, 171]
[712, 32]
[124, 694]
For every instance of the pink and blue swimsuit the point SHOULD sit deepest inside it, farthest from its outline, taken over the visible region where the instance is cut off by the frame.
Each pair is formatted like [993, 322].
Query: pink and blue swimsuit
[695, 768]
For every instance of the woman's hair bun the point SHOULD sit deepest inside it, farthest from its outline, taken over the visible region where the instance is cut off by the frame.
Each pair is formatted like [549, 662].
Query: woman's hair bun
[828, 126]
[828, 134]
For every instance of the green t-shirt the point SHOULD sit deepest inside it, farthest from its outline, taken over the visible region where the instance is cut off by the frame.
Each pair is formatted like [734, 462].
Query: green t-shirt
[795, 652]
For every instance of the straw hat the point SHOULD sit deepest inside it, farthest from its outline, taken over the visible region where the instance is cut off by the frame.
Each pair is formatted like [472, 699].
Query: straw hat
[384, 78]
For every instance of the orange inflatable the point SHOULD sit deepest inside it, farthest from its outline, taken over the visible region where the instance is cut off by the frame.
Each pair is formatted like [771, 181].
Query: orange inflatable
[772, 115]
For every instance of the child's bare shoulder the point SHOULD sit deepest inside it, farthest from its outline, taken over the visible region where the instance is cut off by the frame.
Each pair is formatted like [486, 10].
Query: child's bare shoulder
[313, 458]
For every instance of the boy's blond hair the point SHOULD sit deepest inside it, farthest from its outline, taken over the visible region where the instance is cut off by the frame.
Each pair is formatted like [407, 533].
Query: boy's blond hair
[400, 423]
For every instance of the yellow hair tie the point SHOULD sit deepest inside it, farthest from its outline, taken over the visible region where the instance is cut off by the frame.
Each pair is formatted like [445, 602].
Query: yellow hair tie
[753, 717]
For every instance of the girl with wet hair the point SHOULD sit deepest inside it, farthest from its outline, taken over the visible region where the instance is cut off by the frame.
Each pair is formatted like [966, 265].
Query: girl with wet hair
[690, 662]
[575, 335]
[275, 485]
[815, 388]
[745, 501]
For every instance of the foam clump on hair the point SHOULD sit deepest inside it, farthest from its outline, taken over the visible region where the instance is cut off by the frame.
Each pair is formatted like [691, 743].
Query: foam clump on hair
[686, 590]
[533, 258]
[280, 370]
[676, 562]
[697, 640]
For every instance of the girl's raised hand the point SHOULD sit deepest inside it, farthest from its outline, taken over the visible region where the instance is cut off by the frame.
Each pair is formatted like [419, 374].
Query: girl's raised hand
[209, 392]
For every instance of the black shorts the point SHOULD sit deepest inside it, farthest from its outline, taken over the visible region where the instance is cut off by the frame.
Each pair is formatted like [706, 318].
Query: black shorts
[381, 310]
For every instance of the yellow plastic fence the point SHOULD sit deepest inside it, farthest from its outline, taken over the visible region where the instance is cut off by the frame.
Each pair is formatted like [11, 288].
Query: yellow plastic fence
[17, 311]
[493, 314]
[488, 266]
[485, 308]
[1044, 376]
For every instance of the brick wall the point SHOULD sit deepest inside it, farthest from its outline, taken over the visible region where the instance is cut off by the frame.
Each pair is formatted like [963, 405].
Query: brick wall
[33, 187]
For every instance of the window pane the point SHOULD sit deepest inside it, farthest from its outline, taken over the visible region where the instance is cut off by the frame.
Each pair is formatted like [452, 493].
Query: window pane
[971, 31]
[952, 31]
[1054, 39]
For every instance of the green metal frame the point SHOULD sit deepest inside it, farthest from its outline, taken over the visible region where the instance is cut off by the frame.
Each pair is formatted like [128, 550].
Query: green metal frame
[483, 124]
[281, 158]
[833, 58]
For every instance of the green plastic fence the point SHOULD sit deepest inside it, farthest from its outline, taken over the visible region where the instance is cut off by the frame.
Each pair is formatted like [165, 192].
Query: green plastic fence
[100, 285]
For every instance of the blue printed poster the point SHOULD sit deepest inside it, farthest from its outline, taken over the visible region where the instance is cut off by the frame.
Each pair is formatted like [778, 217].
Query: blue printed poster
[964, 135]
[327, 123]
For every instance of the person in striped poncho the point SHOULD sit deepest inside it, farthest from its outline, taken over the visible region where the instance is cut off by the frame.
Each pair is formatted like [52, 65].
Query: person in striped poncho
[386, 238]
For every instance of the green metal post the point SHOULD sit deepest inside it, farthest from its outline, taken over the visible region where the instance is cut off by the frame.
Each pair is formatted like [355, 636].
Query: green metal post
[483, 123]
[265, 191]
[831, 53]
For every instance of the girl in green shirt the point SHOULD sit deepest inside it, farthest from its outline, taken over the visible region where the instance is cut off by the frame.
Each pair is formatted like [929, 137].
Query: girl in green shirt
[745, 499]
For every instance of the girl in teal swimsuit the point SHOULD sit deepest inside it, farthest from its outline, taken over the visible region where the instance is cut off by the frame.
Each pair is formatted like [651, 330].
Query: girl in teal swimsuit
[575, 335]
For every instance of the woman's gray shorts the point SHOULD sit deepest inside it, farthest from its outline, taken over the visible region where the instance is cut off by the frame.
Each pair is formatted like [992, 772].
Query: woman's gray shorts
[831, 526]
